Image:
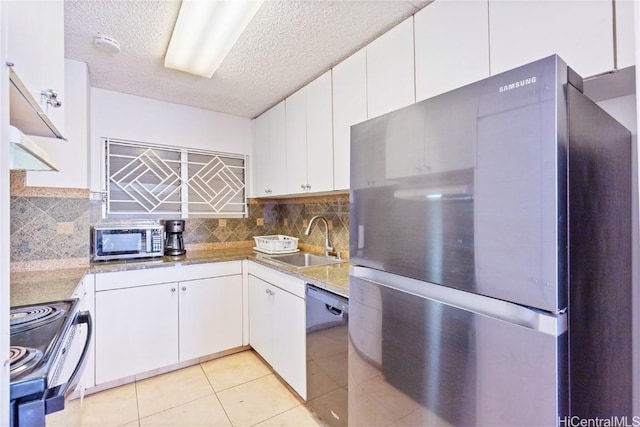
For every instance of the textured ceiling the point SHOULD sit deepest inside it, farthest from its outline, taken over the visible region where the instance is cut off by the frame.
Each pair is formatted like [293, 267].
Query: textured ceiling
[286, 45]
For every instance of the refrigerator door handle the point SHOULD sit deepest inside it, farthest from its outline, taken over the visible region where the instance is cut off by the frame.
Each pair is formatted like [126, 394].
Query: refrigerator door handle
[554, 324]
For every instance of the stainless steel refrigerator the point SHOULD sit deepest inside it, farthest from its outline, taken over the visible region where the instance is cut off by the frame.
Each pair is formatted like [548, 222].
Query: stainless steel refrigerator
[490, 233]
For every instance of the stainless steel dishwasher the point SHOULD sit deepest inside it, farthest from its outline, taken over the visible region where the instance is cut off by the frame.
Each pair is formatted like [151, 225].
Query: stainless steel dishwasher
[327, 355]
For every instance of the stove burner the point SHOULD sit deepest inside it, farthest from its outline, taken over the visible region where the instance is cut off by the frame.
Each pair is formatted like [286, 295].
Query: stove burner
[21, 318]
[22, 358]
[16, 353]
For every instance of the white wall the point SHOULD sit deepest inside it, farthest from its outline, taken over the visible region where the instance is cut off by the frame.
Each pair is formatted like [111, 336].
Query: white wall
[623, 109]
[129, 117]
[72, 156]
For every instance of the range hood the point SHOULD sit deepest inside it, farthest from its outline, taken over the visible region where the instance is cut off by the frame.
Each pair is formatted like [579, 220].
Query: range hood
[25, 112]
[27, 118]
[27, 155]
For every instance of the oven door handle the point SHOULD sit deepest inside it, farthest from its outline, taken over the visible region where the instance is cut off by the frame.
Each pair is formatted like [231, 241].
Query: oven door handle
[55, 397]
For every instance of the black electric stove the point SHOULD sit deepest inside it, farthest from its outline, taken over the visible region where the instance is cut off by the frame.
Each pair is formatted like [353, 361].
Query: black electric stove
[49, 344]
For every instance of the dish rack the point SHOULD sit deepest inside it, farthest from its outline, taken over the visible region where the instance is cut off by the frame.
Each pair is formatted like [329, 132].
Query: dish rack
[276, 244]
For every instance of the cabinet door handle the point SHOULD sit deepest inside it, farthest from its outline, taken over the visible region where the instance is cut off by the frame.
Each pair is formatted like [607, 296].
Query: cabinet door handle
[184, 288]
[303, 186]
[269, 292]
[173, 289]
[308, 186]
[52, 98]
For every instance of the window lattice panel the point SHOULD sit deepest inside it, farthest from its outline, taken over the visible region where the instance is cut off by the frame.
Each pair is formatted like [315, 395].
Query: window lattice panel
[147, 180]
[216, 184]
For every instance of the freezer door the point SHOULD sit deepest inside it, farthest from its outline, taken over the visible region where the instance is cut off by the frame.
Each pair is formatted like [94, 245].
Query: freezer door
[519, 210]
[463, 363]
[466, 189]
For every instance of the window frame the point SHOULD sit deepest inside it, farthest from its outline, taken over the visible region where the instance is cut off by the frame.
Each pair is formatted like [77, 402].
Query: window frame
[234, 170]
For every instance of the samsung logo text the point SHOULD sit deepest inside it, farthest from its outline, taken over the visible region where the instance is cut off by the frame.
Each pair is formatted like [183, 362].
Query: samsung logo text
[516, 85]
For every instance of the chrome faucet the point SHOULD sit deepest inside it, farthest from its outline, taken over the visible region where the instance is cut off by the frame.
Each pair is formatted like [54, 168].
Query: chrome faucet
[327, 243]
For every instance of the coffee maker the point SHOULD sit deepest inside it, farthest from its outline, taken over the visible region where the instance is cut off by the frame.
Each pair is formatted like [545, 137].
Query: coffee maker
[174, 245]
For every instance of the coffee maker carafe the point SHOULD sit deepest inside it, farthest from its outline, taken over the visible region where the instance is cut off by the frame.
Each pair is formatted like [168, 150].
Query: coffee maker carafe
[174, 245]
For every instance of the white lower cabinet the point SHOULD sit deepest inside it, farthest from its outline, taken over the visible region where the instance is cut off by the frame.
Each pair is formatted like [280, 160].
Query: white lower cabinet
[136, 330]
[277, 324]
[151, 319]
[210, 316]
[261, 317]
[289, 340]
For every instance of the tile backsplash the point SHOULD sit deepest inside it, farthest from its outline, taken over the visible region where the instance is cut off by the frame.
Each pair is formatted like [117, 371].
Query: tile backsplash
[50, 227]
[45, 228]
[268, 216]
[294, 216]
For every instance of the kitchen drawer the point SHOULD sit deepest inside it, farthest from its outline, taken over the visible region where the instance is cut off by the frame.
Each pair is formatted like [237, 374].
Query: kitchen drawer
[154, 276]
[281, 280]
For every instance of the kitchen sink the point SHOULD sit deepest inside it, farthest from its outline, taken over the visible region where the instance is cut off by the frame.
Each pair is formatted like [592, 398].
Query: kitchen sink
[303, 259]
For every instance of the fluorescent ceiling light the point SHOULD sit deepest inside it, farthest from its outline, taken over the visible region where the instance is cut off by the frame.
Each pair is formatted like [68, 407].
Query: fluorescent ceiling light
[205, 32]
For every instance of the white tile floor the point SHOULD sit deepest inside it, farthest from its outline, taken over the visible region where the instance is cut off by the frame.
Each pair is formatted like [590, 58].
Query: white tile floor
[236, 390]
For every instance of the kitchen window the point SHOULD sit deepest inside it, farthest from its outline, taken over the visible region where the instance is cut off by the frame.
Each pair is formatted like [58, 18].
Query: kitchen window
[153, 181]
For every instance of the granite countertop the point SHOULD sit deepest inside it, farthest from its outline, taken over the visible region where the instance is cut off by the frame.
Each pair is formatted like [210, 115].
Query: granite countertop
[41, 286]
[332, 277]
[35, 287]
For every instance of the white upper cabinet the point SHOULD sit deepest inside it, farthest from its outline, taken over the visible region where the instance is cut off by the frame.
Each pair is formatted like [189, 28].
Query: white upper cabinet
[581, 32]
[451, 46]
[349, 108]
[310, 138]
[625, 36]
[278, 150]
[72, 172]
[36, 48]
[444, 46]
[296, 107]
[204, 330]
[269, 163]
[390, 70]
[319, 135]
[260, 161]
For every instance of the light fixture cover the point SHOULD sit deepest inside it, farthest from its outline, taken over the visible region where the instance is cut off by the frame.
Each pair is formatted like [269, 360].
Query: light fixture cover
[27, 154]
[205, 32]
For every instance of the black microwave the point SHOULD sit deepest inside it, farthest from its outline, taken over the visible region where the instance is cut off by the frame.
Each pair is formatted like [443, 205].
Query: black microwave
[111, 242]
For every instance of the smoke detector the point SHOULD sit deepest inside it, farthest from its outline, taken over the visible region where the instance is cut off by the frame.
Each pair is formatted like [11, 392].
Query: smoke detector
[107, 44]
